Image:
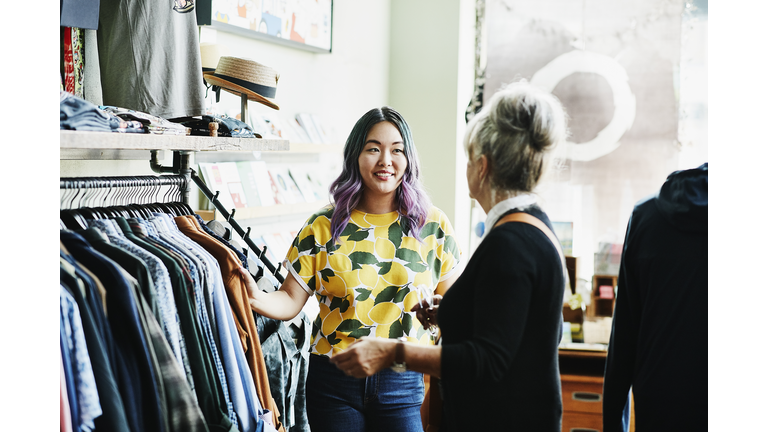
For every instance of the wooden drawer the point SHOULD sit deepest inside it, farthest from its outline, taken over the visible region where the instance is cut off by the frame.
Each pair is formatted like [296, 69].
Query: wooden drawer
[582, 394]
[580, 422]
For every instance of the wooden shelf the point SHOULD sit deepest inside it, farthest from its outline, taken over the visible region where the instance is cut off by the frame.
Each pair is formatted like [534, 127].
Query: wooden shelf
[81, 140]
[316, 148]
[275, 210]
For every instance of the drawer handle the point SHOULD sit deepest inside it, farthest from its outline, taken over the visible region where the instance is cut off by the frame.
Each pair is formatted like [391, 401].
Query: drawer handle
[578, 429]
[586, 397]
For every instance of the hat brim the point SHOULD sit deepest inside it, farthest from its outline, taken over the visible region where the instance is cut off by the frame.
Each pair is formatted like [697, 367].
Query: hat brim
[238, 90]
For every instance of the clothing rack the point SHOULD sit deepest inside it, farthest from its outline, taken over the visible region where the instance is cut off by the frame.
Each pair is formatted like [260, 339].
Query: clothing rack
[146, 188]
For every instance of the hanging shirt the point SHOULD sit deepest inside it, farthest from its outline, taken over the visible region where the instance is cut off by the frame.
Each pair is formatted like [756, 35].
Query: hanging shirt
[78, 284]
[87, 397]
[237, 294]
[240, 386]
[160, 278]
[135, 373]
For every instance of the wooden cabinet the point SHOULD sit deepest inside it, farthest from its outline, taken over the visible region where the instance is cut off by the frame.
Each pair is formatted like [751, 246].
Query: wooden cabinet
[581, 377]
[582, 403]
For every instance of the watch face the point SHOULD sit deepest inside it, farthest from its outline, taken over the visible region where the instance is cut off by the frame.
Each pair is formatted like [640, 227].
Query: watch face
[398, 367]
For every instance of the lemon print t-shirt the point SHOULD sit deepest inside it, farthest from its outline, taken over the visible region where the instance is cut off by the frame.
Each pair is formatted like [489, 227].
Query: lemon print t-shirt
[366, 282]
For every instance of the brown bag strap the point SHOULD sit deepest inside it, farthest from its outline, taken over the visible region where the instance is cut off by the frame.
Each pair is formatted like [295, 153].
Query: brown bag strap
[526, 218]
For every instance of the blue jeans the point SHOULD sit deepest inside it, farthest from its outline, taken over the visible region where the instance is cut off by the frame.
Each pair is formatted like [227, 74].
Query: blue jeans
[387, 401]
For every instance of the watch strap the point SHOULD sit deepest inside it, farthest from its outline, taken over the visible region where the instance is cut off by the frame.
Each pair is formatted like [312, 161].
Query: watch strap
[400, 351]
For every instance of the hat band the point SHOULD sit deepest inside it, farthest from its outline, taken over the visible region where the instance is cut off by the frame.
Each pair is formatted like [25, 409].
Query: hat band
[207, 69]
[265, 91]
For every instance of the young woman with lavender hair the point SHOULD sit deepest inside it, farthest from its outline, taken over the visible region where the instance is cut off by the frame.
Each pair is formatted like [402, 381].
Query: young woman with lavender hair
[370, 258]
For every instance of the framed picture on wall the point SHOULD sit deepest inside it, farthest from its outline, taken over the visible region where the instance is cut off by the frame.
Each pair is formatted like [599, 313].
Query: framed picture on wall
[302, 24]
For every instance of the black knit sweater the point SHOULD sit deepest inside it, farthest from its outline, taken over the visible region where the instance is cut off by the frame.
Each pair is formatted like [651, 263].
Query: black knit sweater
[501, 324]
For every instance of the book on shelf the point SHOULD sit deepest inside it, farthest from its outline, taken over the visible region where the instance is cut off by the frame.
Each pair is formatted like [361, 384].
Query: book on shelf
[249, 183]
[263, 183]
[281, 179]
[261, 127]
[306, 122]
[231, 177]
[284, 175]
[322, 129]
[278, 127]
[319, 186]
[299, 176]
[213, 179]
[298, 131]
[279, 196]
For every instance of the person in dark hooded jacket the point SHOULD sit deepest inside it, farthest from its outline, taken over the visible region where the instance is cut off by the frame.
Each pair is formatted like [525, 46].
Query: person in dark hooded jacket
[658, 344]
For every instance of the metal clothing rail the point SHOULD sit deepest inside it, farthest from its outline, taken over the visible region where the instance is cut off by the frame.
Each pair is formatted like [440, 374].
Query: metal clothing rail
[182, 181]
[230, 217]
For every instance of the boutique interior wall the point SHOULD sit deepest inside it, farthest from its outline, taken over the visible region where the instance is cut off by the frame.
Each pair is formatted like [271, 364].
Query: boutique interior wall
[414, 56]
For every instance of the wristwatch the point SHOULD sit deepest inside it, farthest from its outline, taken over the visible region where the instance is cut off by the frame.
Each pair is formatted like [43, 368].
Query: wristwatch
[399, 364]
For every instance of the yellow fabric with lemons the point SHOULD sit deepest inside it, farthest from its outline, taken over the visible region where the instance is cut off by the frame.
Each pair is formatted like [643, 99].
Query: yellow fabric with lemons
[365, 283]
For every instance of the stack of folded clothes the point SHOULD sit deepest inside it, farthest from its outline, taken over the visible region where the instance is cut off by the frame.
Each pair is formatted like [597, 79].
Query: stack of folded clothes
[79, 114]
[153, 124]
[228, 127]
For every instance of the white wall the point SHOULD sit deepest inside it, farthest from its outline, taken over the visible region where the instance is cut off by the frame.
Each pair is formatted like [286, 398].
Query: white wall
[431, 76]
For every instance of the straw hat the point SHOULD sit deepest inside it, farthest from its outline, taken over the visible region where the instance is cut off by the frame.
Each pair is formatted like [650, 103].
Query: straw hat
[210, 54]
[238, 75]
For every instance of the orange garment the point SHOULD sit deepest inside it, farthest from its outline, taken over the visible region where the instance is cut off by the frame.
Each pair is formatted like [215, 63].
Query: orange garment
[237, 294]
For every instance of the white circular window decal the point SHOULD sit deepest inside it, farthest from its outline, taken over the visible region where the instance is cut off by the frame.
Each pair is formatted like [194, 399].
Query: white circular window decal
[607, 140]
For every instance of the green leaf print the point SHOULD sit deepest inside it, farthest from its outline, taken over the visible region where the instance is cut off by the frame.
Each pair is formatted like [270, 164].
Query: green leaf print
[364, 294]
[451, 245]
[325, 212]
[408, 255]
[308, 243]
[407, 323]
[385, 267]
[395, 234]
[312, 283]
[429, 229]
[401, 295]
[358, 236]
[344, 305]
[396, 330]
[330, 247]
[386, 295]
[297, 266]
[336, 303]
[437, 266]
[417, 267]
[349, 229]
[363, 258]
[349, 325]
[362, 331]
[327, 273]
[332, 339]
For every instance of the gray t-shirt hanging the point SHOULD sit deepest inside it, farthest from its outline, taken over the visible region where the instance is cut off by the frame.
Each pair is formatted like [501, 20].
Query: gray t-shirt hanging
[150, 57]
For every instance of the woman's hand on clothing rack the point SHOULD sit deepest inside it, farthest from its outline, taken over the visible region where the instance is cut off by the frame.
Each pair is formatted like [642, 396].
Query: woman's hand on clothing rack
[283, 304]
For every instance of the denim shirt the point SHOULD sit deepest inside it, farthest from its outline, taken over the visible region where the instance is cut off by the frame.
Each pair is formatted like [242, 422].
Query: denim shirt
[285, 346]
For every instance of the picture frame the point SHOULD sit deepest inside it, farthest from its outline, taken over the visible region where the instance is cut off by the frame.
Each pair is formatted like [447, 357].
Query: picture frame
[300, 24]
